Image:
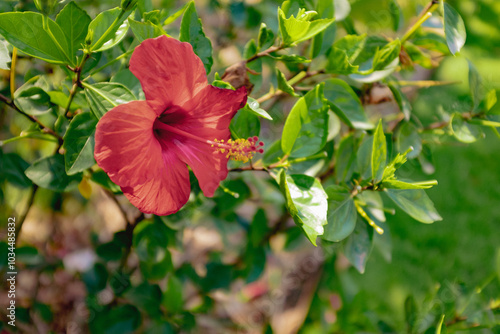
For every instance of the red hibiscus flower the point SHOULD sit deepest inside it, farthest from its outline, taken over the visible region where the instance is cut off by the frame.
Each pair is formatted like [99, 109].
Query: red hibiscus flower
[146, 146]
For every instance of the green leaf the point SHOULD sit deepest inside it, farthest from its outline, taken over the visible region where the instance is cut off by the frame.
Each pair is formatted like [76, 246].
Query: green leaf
[490, 100]
[300, 28]
[411, 313]
[4, 56]
[342, 214]
[396, 14]
[172, 18]
[145, 30]
[386, 55]
[146, 297]
[401, 99]
[397, 184]
[345, 158]
[379, 153]
[292, 59]
[101, 178]
[192, 32]
[407, 136]
[150, 242]
[25, 31]
[79, 143]
[338, 62]
[173, 299]
[74, 22]
[344, 102]
[61, 99]
[463, 131]
[475, 85]
[358, 246]
[12, 168]
[104, 96]
[266, 37]
[107, 29]
[454, 29]
[32, 100]
[50, 173]
[95, 278]
[121, 319]
[283, 84]
[352, 45]
[244, 124]
[418, 56]
[306, 201]
[254, 106]
[415, 203]
[306, 127]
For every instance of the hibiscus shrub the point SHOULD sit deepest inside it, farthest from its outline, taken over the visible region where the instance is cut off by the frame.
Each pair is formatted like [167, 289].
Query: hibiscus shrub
[171, 169]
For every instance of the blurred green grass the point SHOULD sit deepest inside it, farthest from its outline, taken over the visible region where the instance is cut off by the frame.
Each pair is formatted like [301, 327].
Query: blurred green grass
[459, 249]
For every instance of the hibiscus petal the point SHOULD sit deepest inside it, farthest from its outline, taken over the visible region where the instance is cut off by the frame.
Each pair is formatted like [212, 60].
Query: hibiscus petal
[169, 71]
[166, 191]
[155, 180]
[213, 107]
[208, 116]
[125, 144]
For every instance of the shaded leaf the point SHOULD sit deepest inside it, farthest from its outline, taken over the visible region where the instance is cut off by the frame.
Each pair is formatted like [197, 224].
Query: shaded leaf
[79, 143]
[345, 103]
[379, 153]
[50, 173]
[407, 136]
[415, 203]
[12, 168]
[358, 246]
[150, 242]
[401, 99]
[306, 127]
[463, 131]
[145, 30]
[341, 214]
[192, 32]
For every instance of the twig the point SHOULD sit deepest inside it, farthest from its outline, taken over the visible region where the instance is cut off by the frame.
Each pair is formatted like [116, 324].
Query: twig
[23, 217]
[265, 53]
[76, 83]
[32, 118]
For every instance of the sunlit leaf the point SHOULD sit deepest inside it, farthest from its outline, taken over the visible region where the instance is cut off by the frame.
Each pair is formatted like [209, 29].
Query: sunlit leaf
[306, 202]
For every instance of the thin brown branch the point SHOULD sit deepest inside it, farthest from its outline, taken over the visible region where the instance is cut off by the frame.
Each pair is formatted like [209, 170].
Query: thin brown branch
[265, 53]
[28, 207]
[32, 118]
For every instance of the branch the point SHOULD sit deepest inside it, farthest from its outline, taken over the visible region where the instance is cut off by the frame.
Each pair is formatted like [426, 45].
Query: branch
[77, 83]
[32, 118]
[23, 217]
[265, 53]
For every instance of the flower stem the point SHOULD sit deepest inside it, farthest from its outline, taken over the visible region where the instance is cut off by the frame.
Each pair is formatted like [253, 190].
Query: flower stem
[424, 16]
[13, 72]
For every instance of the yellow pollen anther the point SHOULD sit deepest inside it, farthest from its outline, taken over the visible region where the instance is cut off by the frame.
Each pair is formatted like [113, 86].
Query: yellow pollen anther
[240, 149]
